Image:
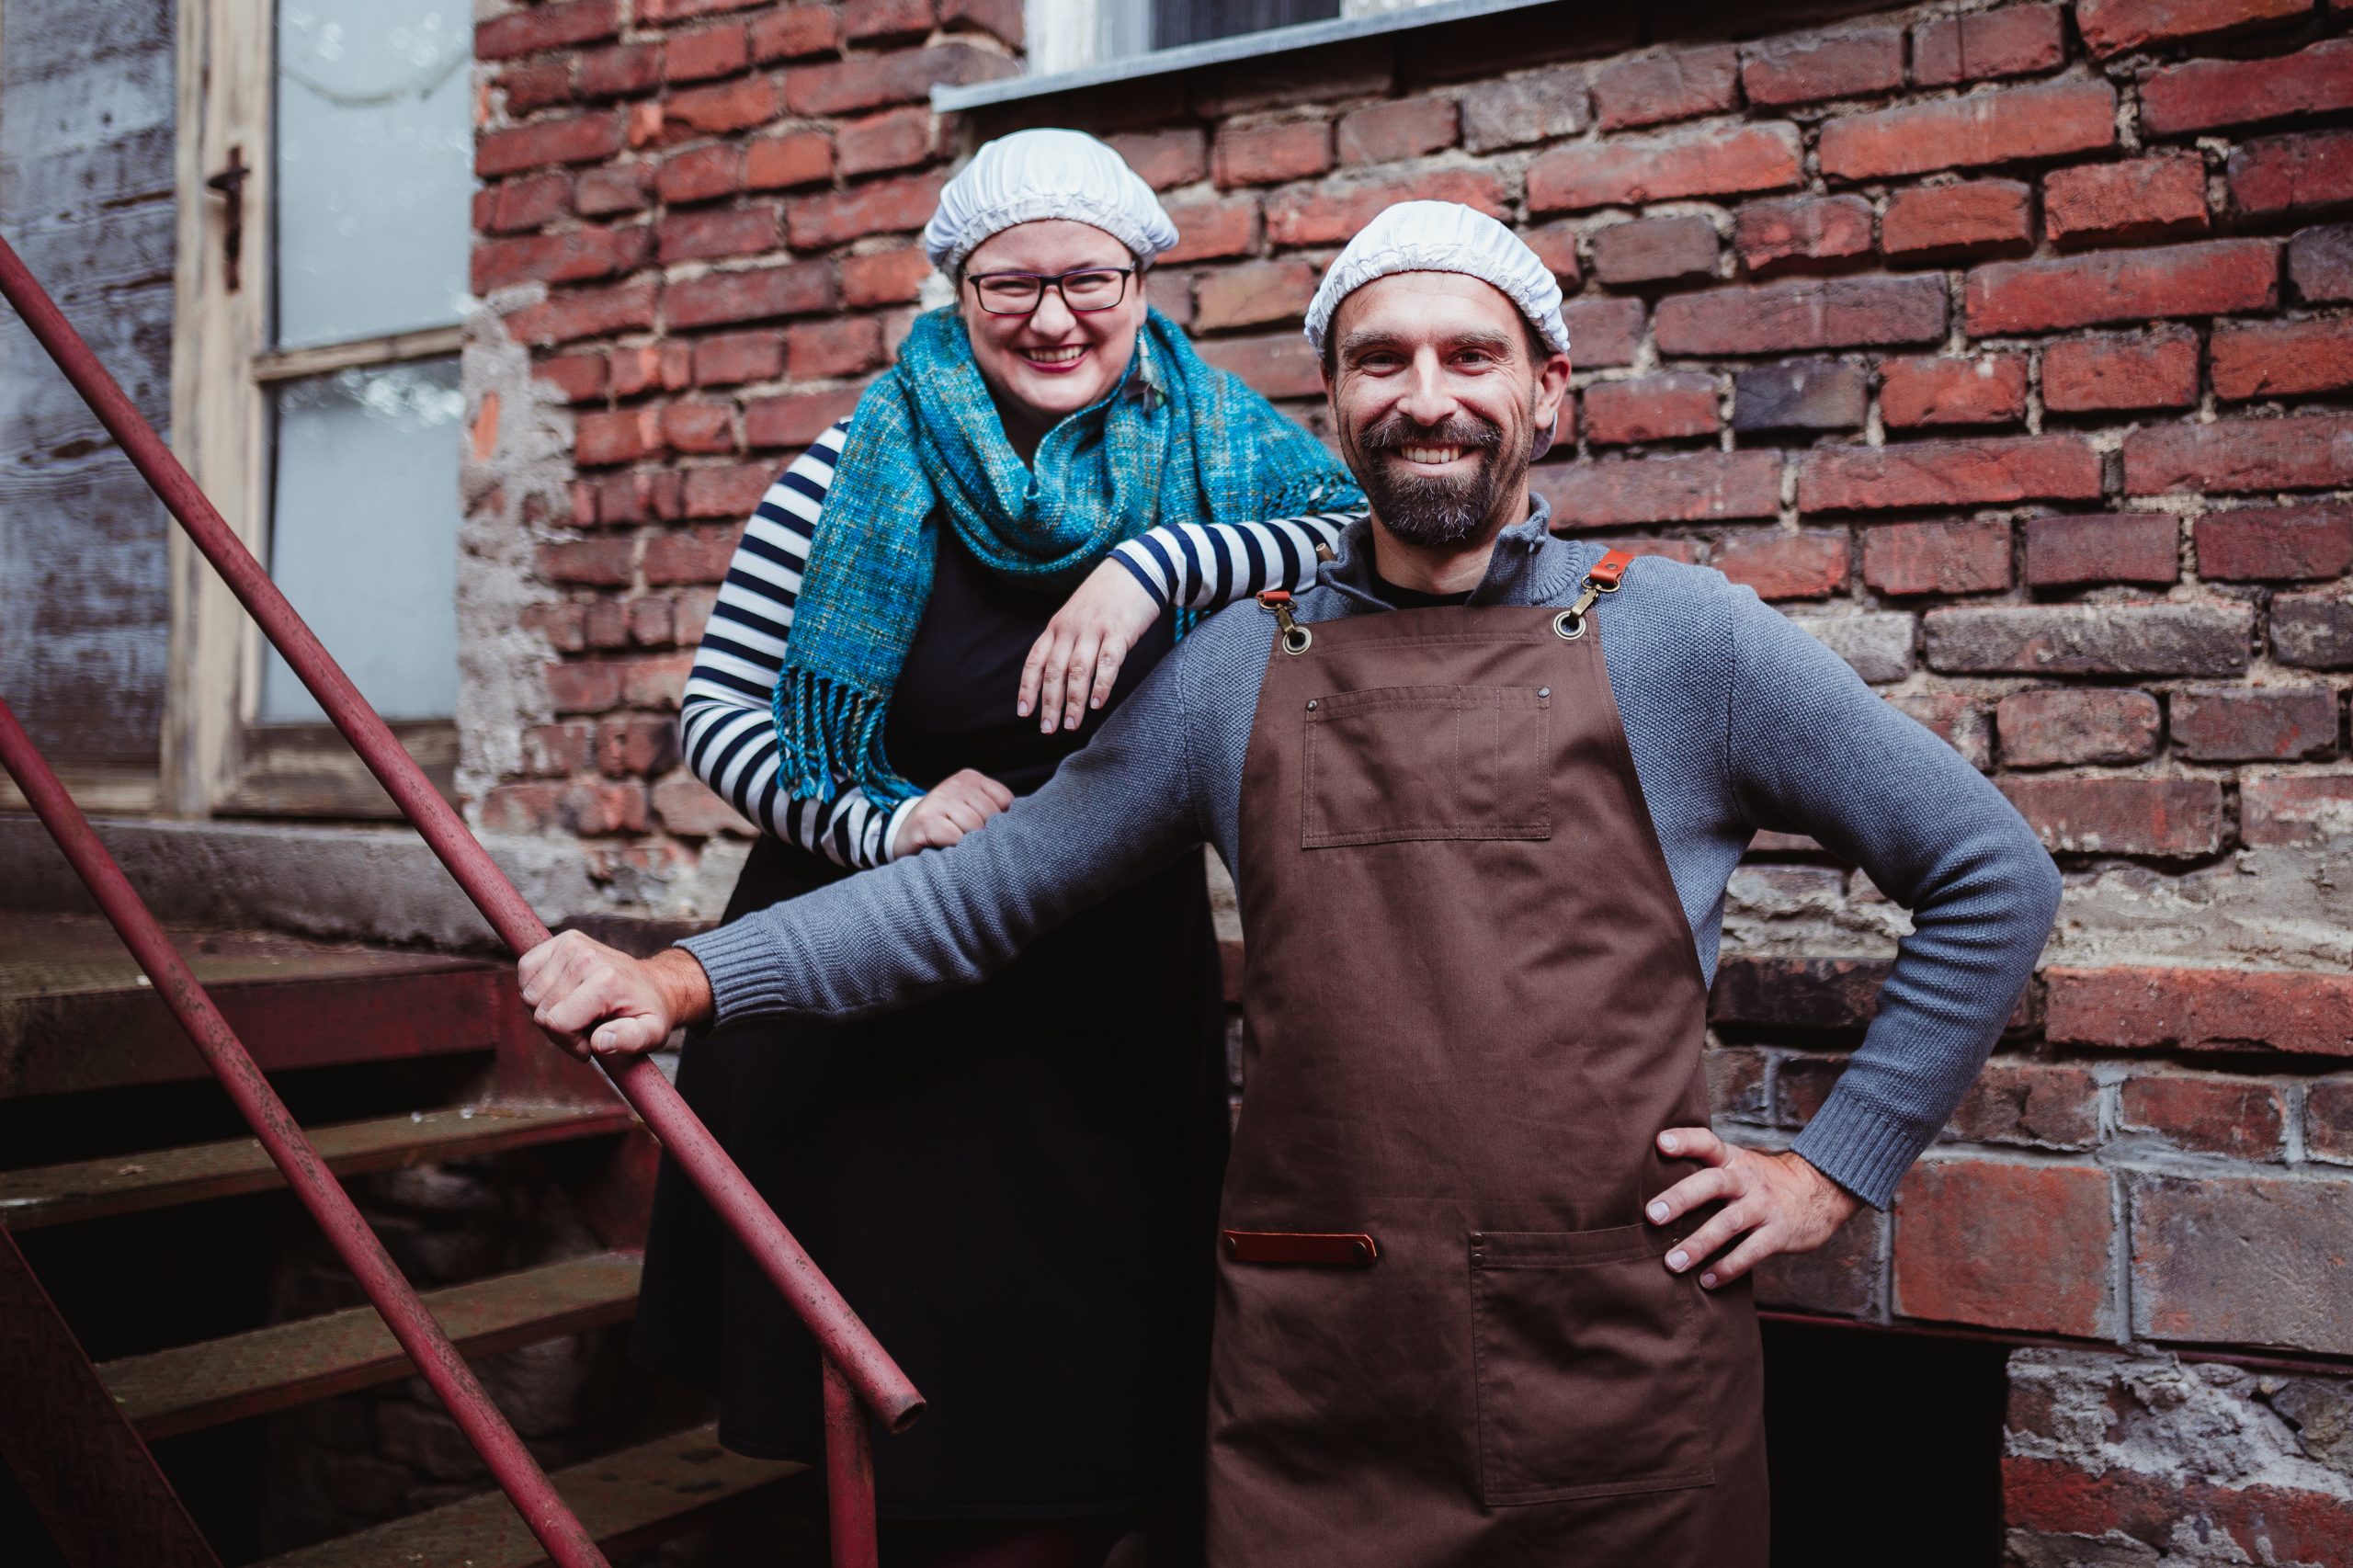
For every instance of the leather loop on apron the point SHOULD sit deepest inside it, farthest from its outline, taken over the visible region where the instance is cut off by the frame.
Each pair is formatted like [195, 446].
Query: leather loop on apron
[1471, 1003]
[1331, 1249]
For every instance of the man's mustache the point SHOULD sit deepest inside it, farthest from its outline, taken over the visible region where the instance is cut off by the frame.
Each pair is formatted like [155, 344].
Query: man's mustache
[1395, 431]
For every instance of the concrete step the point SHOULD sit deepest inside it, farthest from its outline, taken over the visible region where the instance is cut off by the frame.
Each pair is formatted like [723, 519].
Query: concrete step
[76, 1013]
[123, 1184]
[193, 1386]
[627, 1500]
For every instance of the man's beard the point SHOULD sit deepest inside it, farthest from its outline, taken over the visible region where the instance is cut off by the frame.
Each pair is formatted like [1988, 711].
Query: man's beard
[1435, 511]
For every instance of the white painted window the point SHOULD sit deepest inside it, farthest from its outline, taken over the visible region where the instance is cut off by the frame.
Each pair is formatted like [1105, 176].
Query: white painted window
[1066, 35]
[325, 217]
[373, 139]
[364, 534]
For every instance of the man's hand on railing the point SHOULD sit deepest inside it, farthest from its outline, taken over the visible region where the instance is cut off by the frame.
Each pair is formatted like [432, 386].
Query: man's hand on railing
[598, 1001]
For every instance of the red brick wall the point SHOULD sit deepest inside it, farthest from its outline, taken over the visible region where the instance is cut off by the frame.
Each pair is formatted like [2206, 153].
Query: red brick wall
[2008, 346]
[698, 218]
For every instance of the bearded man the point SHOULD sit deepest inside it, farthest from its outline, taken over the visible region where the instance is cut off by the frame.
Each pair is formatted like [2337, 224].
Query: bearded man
[1483, 1289]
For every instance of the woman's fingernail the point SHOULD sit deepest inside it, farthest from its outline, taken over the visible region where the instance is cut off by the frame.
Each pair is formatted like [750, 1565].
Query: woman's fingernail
[1022, 709]
[1658, 1212]
[1666, 1140]
[1678, 1260]
[1708, 1281]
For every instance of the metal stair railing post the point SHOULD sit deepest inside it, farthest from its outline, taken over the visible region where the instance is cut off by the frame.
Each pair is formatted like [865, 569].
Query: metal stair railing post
[849, 1475]
[469, 1403]
[844, 1341]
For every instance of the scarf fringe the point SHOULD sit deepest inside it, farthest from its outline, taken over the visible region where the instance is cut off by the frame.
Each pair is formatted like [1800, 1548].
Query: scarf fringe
[829, 731]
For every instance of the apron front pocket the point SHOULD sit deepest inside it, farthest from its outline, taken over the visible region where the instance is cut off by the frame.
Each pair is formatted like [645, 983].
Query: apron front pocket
[1422, 762]
[1588, 1363]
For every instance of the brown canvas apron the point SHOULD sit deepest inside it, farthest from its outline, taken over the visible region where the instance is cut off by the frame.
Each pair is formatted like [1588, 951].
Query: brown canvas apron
[1445, 1335]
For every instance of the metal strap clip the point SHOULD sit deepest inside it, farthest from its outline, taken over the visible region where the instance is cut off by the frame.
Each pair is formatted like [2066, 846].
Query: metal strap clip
[1608, 576]
[1297, 638]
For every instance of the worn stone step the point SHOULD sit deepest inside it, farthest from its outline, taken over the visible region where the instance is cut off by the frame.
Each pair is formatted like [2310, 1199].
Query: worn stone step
[77, 1015]
[170, 1391]
[629, 1499]
[123, 1184]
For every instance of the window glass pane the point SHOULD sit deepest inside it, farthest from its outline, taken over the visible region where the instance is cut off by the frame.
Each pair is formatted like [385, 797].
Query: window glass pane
[375, 166]
[365, 535]
[1176, 22]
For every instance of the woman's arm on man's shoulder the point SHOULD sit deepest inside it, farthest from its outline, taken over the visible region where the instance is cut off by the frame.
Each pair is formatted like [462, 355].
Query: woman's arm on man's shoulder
[1196, 566]
[1211, 565]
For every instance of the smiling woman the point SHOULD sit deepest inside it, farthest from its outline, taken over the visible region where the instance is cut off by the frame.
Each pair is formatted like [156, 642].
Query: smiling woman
[1014, 1186]
[1055, 321]
[1052, 322]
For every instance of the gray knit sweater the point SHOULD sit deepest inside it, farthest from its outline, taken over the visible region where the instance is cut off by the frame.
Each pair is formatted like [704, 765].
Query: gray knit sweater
[1737, 721]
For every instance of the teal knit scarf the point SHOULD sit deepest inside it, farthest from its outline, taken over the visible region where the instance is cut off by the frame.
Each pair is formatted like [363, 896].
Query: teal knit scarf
[1177, 441]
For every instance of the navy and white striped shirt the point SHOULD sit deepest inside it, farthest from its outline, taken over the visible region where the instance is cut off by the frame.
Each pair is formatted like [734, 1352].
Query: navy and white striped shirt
[724, 727]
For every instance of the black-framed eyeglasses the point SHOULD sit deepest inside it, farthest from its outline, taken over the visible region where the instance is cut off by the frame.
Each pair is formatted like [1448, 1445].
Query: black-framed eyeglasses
[1018, 293]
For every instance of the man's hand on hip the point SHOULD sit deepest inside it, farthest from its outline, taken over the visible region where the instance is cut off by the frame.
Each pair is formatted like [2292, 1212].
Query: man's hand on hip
[598, 1001]
[1772, 1203]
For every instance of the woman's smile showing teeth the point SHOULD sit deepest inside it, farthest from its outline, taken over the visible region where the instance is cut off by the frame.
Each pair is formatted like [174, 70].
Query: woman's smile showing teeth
[1054, 358]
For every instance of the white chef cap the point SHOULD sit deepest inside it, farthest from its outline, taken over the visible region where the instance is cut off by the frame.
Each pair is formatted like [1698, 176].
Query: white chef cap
[1441, 236]
[1045, 174]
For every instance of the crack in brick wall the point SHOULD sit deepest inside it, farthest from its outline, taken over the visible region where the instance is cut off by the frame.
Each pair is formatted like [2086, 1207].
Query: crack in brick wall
[2146, 1459]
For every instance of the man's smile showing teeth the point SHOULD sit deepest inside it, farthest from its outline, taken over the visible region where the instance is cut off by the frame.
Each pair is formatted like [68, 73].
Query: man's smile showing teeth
[1432, 455]
[1053, 356]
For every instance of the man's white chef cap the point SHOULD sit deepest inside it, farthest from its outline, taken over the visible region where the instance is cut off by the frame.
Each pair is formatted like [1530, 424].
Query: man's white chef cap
[1045, 174]
[1441, 236]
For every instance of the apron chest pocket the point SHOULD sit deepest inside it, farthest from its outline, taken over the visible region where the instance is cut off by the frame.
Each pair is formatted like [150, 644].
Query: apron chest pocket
[1422, 762]
[1587, 1367]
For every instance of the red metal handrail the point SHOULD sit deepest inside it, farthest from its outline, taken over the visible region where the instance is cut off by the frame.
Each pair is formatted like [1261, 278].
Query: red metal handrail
[859, 1361]
[558, 1530]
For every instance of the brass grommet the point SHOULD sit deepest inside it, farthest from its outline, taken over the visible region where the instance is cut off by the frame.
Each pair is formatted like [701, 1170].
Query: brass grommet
[1296, 639]
[1568, 626]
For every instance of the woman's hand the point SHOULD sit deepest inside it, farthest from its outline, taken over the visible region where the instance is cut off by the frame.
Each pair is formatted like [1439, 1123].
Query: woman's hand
[959, 803]
[1076, 659]
[1772, 1203]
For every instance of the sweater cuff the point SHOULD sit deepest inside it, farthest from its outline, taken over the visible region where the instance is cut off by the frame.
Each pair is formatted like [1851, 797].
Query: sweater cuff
[1152, 586]
[899, 816]
[1861, 1147]
[742, 967]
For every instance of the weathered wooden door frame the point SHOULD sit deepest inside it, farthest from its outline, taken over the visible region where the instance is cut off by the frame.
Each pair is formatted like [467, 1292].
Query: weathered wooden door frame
[217, 758]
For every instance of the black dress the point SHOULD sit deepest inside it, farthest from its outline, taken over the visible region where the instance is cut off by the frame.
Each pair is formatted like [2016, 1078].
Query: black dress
[1013, 1186]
